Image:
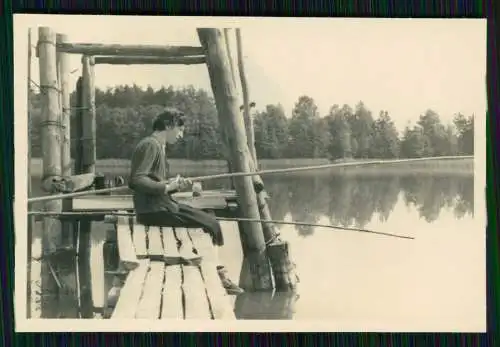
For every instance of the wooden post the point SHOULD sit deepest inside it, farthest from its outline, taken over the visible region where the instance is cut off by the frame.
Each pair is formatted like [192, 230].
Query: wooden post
[63, 60]
[228, 110]
[88, 116]
[91, 241]
[246, 106]
[64, 97]
[51, 147]
[78, 166]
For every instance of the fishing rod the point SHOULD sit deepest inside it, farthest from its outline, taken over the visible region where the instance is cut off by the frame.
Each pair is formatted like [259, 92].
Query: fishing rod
[245, 174]
[129, 214]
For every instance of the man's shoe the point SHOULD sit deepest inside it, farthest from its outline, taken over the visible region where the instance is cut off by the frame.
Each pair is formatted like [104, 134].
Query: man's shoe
[230, 286]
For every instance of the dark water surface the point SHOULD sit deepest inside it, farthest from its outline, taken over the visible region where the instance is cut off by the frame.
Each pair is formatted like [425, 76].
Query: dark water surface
[435, 282]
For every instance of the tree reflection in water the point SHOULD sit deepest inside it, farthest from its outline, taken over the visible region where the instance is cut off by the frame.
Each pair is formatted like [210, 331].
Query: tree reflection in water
[352, 201]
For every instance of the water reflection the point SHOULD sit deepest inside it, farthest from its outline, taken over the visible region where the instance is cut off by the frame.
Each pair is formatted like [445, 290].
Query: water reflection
[351, 277]
[353, 201]
[266, 305]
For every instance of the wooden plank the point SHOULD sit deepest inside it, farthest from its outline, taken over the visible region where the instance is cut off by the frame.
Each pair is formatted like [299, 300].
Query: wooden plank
[139, 239]
[150, 303]
[220, 302]
[155, 243]
[208, 200]
[195, 297]
[172, 307]
[97, 239]
[126, 248]
[118, 60]
[131, 293]
[171, 254]
[186, 248]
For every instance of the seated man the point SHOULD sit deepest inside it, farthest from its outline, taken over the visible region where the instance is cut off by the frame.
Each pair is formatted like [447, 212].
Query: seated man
[152, 195]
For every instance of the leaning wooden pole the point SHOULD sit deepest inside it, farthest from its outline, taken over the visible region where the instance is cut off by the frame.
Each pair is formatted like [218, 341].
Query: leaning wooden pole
[51, 148]
[246, 102]
[278, 251]
[257, 181]
[228, 110]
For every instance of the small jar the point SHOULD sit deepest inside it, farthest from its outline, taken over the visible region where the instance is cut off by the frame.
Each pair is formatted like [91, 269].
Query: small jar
[197, 188]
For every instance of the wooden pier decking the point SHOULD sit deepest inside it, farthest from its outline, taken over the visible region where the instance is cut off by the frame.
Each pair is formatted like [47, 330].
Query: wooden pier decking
[158, 285]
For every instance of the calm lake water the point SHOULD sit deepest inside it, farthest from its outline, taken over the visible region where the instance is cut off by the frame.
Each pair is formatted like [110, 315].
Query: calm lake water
[435, 282]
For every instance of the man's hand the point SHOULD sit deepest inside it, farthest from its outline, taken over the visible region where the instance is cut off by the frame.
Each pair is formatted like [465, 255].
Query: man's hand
[178, 183]
[183, 182]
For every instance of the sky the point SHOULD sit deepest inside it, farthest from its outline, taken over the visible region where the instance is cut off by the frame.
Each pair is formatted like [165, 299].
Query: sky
[404, 66]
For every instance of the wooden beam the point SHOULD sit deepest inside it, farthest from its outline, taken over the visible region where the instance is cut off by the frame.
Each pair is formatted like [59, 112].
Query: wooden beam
[131, 50]
[228, 111]
[125, 60]
[88, 116]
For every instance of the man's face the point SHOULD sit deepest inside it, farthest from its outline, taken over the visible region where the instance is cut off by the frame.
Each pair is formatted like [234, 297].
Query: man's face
[174, 134]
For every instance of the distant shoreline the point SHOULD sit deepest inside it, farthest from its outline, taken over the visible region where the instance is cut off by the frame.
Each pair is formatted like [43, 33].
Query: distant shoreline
[184, 166]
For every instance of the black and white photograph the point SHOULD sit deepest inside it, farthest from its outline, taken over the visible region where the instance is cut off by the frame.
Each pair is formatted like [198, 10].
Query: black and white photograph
[249, 174]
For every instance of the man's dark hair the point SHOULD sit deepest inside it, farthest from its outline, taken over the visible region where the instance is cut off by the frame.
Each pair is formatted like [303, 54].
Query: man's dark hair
[170, 117]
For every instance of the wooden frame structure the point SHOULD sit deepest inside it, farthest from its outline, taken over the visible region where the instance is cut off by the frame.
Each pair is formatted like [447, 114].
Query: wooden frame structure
[52, 52]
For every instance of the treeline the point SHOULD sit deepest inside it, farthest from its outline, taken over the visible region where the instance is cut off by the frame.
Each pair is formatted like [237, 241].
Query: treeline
[124, 114]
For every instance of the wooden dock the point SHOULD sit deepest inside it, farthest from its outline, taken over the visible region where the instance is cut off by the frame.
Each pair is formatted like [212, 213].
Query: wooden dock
[160, 284]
